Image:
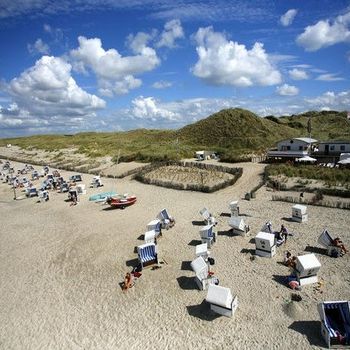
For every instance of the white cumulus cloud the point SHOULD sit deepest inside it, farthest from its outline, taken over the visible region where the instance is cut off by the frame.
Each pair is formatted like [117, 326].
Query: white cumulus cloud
[325, 33]
[172, 31]
[331, 100]
[148, 108]
[47, 94]
[298, 74]
[114, 72]
[224, 62]
[288, 18]
[39, 47]
[287, 90]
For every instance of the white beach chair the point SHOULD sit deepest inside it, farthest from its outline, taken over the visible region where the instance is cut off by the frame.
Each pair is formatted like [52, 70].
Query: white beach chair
[208, 235]
[238, 225]
[307, 267]
[96, 182]
[147, 254]
[299, 213]
[202, 250]
[166, 220]
[151, 236]
[221, 300]
[265, 244]
[201, 269]
[155, 225]
[208, 218]
[335, 323]
[43, 196]
[326, 240]
[234, 208]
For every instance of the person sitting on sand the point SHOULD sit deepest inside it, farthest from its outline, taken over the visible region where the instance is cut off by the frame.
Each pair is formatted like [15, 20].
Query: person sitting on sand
[338, 243]
[128, 281]
[283, 233]
[291, 262]
[287, 257]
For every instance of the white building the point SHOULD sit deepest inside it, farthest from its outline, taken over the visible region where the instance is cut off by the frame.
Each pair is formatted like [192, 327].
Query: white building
[292, 148]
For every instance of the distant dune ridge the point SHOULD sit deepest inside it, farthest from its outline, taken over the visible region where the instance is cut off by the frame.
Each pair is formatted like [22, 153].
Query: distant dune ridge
[233, 133]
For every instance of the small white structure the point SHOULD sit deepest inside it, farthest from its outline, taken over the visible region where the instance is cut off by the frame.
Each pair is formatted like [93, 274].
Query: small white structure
[96, 182]
[166, 220]
[154, 225]
[299, 213]
[238, 225]
[234, 208]
[208, 218]
[221, 300]
[265, 244]
[307, 267]
[201, 269]
[208, 235]
[203, 155]
[202, 250]
[150, 236]
[335, 323]
[81, 189]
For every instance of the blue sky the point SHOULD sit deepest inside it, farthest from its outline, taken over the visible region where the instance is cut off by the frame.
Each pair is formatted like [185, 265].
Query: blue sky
[109, 65]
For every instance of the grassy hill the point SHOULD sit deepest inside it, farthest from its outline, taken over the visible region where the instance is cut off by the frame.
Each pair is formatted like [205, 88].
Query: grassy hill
[231, 132]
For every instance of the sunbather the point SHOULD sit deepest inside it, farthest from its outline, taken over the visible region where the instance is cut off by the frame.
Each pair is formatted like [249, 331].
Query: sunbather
[128, 281]
[338, 243]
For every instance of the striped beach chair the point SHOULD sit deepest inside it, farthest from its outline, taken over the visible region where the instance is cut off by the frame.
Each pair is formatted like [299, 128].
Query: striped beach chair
[147, 254]
[335, 322]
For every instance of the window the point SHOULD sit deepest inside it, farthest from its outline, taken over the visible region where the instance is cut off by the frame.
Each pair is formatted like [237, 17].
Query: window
[300, 148]
[342, 147]
[331, 148]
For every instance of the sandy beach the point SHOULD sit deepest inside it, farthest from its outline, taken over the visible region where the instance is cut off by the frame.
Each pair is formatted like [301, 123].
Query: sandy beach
[61, 268]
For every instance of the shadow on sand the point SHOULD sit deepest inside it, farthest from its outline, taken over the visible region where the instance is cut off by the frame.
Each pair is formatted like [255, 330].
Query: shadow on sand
[194, 242]
[132, 262]
[186, 266]
[316, 250]
[198, 223]
[202, 311]
[248, 251]
[186, 283]
[289, 219]
[310, 329]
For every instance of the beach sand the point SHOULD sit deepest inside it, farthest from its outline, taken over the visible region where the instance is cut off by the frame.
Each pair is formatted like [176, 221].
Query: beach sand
[61, 269]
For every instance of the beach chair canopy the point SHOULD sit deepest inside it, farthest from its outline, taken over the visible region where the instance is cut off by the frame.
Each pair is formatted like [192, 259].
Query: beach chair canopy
[219, 295]
[237, 223]
[307, 265]
[200, 268]
[325, 239]
[205, 213]
[299, 209]
[164, 215]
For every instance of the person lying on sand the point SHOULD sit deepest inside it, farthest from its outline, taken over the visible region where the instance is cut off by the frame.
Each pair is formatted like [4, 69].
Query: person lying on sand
[128, 281]
[338, 243]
